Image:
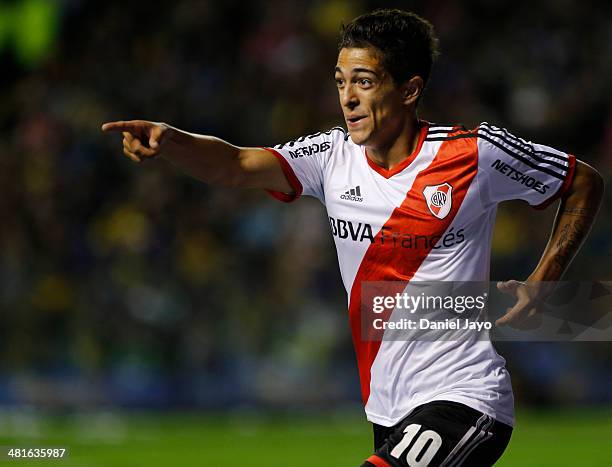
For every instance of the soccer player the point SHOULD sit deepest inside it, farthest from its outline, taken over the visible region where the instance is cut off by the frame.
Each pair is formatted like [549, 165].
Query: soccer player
[394, 176]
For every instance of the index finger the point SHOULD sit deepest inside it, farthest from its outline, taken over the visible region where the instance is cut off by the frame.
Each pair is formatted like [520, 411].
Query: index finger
[118, 126]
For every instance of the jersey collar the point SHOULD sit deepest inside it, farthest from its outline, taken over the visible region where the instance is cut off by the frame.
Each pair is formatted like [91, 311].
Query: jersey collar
[388, 173]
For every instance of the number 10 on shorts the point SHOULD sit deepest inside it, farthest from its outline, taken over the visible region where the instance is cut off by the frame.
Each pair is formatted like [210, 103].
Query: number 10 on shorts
[424, 448]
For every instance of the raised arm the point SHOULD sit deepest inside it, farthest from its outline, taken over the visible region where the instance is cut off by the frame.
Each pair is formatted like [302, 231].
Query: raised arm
[206, 158]
[574, 219]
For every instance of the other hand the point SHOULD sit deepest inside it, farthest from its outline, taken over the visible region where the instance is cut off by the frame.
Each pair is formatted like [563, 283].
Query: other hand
[524, 314]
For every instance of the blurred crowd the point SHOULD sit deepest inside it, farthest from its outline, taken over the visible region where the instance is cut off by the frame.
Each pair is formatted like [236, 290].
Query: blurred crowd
[136, 286]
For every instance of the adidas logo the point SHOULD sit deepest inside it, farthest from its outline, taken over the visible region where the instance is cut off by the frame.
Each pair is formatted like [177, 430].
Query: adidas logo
[354, 194]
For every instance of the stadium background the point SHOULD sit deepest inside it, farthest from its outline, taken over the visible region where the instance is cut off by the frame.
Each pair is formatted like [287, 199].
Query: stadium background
[148, 318]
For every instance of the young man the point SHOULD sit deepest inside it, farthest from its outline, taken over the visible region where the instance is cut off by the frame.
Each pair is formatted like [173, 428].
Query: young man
[442, 403]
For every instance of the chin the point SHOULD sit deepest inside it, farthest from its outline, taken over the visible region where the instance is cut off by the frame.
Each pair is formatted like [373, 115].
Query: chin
[359, 137]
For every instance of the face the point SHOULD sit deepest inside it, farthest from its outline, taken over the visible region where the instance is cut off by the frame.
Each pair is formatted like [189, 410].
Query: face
[374, 107]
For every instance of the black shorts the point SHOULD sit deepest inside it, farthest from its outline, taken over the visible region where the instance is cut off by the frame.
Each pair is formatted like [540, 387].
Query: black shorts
[440, 434]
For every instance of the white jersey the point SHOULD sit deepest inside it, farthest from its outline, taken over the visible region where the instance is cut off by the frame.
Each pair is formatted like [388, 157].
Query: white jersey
[445, 193]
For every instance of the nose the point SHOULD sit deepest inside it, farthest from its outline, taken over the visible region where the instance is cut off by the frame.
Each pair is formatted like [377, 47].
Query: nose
[348, 98]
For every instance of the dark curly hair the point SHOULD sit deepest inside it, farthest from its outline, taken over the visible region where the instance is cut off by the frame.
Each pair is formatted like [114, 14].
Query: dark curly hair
[407, 42]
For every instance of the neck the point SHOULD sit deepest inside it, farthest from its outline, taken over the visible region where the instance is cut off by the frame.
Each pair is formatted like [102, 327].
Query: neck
[402, 145]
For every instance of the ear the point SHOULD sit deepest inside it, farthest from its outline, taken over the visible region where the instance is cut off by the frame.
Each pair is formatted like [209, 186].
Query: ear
[411, 90]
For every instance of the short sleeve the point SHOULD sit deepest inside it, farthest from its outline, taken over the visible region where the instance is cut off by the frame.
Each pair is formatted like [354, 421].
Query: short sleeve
[304, 162]
[513, 168]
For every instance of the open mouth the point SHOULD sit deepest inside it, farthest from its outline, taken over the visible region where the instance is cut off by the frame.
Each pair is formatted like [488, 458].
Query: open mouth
[354, 120]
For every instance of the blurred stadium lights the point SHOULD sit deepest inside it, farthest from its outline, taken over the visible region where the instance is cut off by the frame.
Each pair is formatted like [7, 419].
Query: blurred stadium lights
[30, 29]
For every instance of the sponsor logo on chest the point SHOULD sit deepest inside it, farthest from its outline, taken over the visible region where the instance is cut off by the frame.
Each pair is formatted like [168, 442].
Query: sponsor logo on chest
[365, 232]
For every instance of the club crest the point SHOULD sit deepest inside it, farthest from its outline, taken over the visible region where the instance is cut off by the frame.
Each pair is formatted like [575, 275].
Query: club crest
[439, 199]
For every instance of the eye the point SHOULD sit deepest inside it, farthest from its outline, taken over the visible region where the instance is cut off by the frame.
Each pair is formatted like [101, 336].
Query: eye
[364, 82]
[339, 82]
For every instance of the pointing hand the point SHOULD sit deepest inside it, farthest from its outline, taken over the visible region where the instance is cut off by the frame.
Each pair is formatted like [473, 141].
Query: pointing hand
[141, 139]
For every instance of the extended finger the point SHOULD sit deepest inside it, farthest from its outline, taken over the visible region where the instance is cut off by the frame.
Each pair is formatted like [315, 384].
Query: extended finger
[120, 126]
